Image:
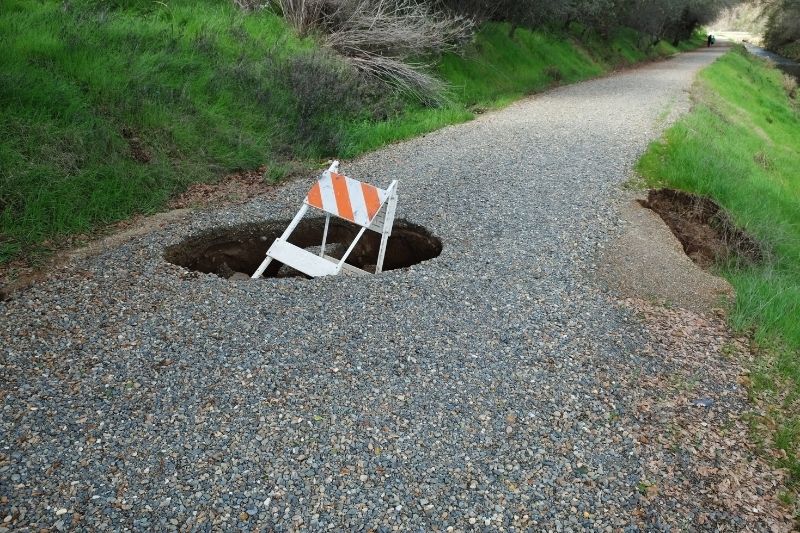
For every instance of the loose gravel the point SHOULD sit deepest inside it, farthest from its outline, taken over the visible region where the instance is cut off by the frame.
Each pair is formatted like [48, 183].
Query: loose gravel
[492, 388]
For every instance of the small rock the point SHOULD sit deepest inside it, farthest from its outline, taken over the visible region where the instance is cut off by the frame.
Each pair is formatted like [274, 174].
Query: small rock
[703, 402]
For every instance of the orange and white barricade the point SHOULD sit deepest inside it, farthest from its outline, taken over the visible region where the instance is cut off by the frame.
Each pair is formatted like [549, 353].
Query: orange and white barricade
[351, 200]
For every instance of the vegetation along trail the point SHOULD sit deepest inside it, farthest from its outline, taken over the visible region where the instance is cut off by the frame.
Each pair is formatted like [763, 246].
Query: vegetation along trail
[498, 385]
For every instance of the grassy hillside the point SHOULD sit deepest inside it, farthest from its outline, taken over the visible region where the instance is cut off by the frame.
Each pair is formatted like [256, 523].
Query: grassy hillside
[741, 146]
[109, 112]
[109, 108]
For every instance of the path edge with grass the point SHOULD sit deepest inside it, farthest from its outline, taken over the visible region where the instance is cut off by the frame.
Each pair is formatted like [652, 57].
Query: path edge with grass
[738, 143]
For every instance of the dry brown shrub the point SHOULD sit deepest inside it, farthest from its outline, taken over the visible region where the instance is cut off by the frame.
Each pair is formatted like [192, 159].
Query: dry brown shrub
[304, 16]
[790, 86]
[382, 38]
[250, 5]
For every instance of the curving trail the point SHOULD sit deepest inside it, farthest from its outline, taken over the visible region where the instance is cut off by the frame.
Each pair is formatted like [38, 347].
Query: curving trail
[500, 386]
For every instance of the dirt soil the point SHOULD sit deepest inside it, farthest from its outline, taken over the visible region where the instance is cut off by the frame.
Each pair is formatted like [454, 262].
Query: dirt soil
[233, 189]
[19, 275]
[705, 230]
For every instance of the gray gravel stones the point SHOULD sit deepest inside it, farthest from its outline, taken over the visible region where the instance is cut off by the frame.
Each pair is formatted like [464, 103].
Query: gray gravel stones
[476, 391]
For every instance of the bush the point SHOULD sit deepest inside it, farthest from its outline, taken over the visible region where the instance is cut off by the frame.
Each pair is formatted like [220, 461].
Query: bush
[382, 38]
[329, 94]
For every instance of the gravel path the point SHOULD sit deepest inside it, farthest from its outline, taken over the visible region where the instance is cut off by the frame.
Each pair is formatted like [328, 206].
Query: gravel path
[496, 387]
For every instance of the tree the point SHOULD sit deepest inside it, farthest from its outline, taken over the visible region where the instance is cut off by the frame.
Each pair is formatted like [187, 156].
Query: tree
[783, 23]
[659, 19]
[671, 20]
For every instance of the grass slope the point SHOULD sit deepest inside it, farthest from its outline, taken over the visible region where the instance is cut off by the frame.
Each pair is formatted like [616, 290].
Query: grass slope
[109, 108]
[106, 112]
[741, 146]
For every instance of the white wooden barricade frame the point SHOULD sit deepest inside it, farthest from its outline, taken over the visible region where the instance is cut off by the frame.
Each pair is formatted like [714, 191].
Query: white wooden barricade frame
[325, 265]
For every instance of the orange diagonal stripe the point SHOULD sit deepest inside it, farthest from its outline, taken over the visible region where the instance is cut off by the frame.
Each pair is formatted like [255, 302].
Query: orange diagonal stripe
[371, 199]
[342, 196]
[315, 196]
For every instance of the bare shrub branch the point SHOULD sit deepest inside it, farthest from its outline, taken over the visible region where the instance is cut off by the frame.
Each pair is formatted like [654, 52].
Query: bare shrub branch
[406, 77]
[790, 86]
[382, 38]
[250, 5]
[303, 15]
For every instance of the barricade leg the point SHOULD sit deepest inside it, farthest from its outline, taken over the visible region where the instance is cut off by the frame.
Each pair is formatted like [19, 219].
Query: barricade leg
[388, 223]
[297, 218]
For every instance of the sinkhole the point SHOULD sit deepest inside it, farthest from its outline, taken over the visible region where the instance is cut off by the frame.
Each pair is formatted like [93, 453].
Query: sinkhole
[705, 230]
[235, 252]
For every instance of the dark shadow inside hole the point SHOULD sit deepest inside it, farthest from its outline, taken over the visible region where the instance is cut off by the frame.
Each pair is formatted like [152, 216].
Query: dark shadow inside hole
[237, 251]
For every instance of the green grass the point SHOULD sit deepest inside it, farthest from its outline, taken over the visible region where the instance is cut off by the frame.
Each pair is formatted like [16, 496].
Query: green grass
[499, 68]
[109, 108]
[741, 146]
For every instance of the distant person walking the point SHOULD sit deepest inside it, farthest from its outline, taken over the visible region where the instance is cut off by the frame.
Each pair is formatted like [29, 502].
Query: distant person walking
[710, 40]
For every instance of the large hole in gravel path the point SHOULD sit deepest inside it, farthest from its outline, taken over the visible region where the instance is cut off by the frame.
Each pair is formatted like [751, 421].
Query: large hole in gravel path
[705, 230]
[237, 251]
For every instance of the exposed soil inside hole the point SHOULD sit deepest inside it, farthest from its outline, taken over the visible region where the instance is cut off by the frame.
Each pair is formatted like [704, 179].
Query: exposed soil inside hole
[705, 230]
[236, 252]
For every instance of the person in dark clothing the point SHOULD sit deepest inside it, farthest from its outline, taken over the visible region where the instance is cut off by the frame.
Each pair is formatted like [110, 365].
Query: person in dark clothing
[710, 39]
